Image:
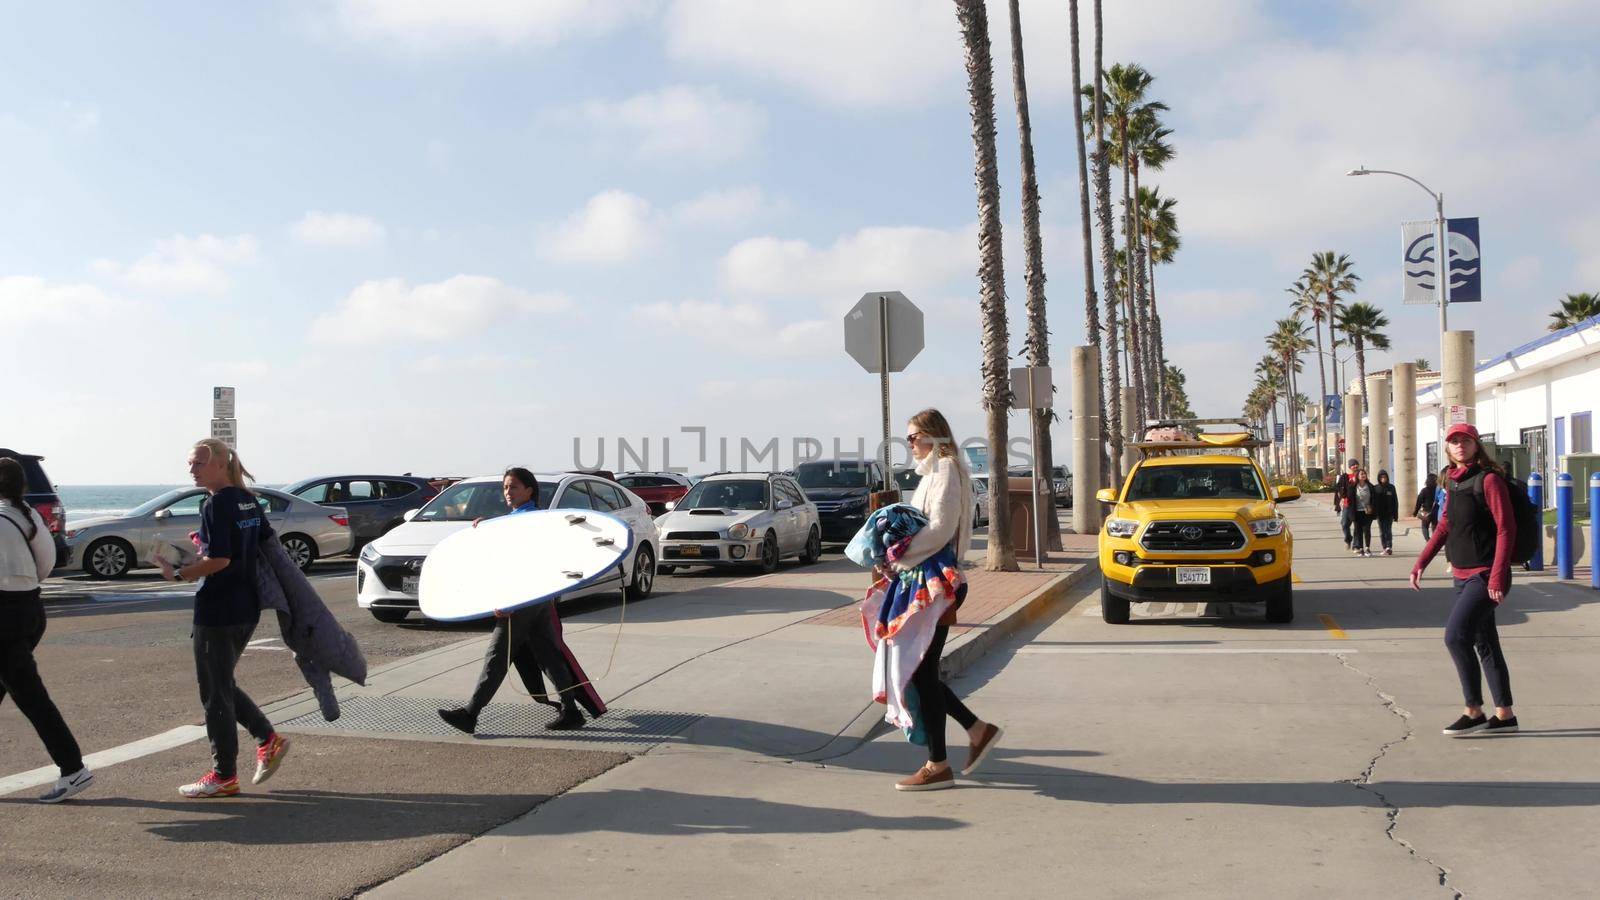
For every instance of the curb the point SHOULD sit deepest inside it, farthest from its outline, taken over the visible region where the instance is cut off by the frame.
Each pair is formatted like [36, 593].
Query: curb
[966, 650]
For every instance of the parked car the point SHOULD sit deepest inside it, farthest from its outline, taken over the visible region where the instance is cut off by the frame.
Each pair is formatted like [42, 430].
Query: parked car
[113, 546]
[376, 503]
[656, 488]
[841, 489]
[741, 519]
[389, 568]
[1060, 482]
[908, 479]
[41, 495]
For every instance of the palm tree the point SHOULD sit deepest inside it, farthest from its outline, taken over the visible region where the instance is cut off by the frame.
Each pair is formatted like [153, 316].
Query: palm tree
[1177, 394]
[1111, 382]
[1159, 220]
[1308, 304]
[1330, 277]
[1037, 344]
[1257, 405]
[1091, 302]
[1269, 379]
[1575, 308]
[1423, 365]
[1287, 342]
[1363, 324]
[1147, 148]
[973, 18]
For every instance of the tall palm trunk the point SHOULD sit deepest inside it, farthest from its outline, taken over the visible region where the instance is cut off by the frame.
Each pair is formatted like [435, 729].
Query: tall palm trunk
[1163, 394]
[1152, 380]
[1037, 345]
[1111, 384]
[1366, 403]
[1322, 401]
[974, 21]
[1091, 302]
[1131, 293]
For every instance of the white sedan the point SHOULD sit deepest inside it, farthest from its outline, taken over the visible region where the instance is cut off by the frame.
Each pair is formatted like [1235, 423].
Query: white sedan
[389, 568]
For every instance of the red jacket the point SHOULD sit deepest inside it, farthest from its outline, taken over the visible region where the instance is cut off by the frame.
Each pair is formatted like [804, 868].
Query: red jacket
[1498, 500]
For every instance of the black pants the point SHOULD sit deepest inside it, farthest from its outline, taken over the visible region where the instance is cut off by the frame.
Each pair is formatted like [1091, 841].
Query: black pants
[21, 629]
[1386, 532]
[935, 698]
[1474, 643]
[535, 645]
[1360, 530]
[217, 649]
[1427, 525]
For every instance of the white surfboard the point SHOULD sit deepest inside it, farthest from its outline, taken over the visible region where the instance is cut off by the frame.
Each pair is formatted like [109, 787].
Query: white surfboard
[519, 560]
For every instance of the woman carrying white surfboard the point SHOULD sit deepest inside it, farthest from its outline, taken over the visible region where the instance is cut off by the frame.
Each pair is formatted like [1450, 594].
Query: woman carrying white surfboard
[530, 639]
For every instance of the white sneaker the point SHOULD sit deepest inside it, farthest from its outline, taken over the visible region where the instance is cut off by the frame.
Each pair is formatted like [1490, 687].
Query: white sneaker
[69, 786]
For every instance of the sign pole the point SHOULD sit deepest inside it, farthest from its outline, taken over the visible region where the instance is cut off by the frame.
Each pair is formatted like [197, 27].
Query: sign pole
[883, 365]
[1443, 290]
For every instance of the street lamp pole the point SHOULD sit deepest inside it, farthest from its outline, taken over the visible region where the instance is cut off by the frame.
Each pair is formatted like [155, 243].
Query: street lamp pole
[1441, 288]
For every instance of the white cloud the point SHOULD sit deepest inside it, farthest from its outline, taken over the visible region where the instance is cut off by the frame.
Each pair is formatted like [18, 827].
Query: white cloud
[677, 123]
[1584, 236]
[439, 364]
[442, 25]
[887, 53]
[332, 229]
[458, 306]
[612, 226]
[745, 327]
[29, 300]
[185, 265]
[727, 206]
[906, 258]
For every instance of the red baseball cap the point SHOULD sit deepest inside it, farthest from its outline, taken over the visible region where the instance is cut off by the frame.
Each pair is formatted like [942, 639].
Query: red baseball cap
[1461, 428]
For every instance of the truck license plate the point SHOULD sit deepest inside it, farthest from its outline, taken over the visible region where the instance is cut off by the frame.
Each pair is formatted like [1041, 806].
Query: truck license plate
[1194, 575]
[408, 584]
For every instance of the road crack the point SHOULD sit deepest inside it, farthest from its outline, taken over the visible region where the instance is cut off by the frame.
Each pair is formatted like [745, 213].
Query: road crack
[1364, 781]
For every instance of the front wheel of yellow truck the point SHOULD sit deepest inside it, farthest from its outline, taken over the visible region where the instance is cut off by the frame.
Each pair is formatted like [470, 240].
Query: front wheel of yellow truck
[1280, 605]
[1113, 609]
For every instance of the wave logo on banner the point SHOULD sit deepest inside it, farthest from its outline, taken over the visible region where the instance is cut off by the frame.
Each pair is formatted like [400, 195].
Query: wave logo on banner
[1333, 404]
[1466, 277]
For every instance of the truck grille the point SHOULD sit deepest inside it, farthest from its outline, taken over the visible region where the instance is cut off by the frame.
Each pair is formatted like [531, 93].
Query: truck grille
[1208, 537]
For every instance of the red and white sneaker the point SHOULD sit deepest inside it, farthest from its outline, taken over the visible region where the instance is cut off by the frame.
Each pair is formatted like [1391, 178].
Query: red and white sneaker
[211, 785]
[268, 756]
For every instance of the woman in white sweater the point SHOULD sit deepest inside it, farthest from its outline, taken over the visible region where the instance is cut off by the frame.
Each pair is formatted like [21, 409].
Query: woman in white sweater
[27, 554]
[945, 496]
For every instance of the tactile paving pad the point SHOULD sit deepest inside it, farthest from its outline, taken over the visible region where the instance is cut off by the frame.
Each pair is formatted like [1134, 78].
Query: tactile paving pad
[632, 731]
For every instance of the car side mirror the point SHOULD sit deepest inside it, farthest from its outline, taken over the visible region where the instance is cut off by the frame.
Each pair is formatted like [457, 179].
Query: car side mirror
[1286, 493]
[1106, 495]
[162, 514]
[410, 514]
[786, 504]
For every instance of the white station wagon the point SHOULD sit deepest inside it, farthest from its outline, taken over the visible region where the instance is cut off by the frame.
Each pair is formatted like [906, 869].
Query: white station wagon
[740, 519]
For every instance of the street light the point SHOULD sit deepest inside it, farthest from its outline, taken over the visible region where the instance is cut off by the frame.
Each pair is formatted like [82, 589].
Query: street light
[1442, 266]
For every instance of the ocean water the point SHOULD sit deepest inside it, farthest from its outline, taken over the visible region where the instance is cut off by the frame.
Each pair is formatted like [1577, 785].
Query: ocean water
[89, 501]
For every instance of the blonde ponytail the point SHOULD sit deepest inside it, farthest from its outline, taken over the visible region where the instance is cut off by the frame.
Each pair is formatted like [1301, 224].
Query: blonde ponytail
[237, 473]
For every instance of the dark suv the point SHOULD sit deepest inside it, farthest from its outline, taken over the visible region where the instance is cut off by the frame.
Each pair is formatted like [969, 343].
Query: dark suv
[842, 490]
[376, 503]
[42, 496]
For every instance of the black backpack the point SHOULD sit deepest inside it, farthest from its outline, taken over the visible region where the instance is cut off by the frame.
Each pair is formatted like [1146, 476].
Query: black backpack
[1529, 518]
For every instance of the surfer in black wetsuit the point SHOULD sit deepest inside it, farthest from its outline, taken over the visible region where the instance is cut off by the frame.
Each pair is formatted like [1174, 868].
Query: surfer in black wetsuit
[530, 639]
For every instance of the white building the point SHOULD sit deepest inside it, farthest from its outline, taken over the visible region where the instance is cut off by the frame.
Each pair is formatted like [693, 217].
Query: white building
[1541, 395]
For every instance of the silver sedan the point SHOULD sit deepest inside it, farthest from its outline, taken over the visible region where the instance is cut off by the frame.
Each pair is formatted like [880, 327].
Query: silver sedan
[111, 547]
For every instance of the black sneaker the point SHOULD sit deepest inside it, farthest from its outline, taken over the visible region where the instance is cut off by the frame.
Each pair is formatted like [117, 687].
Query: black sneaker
[570, 720]
[461, 719]
[1497, 726]
[1467, 725]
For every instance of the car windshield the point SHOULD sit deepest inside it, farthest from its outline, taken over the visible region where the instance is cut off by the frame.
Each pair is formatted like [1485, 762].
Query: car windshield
[464, 502]
[831, 475]
[157, 502]
[1220, 481]
[726, 495]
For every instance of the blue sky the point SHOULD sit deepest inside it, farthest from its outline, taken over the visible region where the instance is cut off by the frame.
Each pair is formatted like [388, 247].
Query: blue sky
[452, 235]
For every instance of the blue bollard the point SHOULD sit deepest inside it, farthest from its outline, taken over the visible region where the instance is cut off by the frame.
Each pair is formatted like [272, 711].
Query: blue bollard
[1564, 525]
[1594, 533]
[1536, 494]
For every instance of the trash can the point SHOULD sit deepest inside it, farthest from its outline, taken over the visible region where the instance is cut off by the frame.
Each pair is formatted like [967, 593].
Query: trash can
[1019, 493]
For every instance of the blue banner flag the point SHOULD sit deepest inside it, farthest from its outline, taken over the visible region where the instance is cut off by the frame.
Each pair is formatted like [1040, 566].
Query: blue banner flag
[1334, 406]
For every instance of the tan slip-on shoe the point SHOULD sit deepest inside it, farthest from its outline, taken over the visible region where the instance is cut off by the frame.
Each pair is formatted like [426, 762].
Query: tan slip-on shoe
[925, 779]
[979, 751]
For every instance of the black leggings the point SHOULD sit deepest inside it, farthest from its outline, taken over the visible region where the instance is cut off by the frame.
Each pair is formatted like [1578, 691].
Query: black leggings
[21, 629]
[1472, 638]
[1360, 530]
[935, 698]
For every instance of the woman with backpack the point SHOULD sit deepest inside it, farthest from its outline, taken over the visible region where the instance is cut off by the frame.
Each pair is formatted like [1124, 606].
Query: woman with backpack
[1362, 509]
[1426, 507]
[1478, 533]
[27, 554]
[1386, 508]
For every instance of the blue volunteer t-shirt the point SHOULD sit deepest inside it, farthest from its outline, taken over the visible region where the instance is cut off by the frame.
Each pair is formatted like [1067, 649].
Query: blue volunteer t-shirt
[231, 526]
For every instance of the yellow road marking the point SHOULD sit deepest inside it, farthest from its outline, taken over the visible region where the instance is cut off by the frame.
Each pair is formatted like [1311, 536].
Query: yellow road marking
[1334, 631]
[1296, 577]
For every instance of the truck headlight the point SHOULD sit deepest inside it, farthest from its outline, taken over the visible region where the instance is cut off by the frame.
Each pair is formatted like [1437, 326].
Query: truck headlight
[1121, 528]
[1267, 527]
[739, 531]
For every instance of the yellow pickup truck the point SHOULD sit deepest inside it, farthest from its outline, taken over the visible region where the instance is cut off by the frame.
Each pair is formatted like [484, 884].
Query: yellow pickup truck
[1196, 521]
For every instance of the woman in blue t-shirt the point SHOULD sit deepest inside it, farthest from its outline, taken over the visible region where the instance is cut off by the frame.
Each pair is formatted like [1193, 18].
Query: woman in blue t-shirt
[225, 614]
[530, 639]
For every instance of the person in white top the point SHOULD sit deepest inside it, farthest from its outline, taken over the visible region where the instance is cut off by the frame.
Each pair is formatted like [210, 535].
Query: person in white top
[27, 554]
[945, 496]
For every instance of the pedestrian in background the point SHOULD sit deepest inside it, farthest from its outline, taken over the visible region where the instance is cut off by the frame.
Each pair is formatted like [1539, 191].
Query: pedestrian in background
[1361, 513]
[1386, 507]
[1342, 489]
[226, 610]
[1427, 507]
[1477, 532]
[27, 554]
